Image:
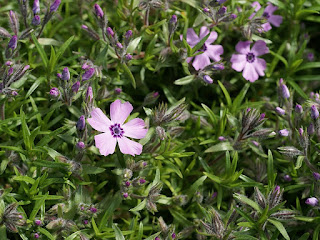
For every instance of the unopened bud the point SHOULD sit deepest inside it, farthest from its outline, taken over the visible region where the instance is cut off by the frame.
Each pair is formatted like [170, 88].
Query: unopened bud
[287, 178]
[36, 20]
[13, 42]
[298, 108]
[310, 129]
[81, 123]
[128, 34]
[75, 87]
[314, 112]
[125, 195]
[88, 74]
[36, 7]
[207, 79]
[55, 5]
[54, 92]
[98, 11]
[280, 111]
[110, 32]
[222, 10]
[284, 133]
[312, 201]
[316, 175]
[65, 74]
[117, 90]
[129, 56]
[221, 138]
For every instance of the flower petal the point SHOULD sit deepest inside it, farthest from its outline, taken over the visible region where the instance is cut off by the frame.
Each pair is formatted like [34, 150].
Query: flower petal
[260, 65]
[119, 112]
[128, 146]
[99, 121]
[213, 36]
[266, 27]
[189, 59]
[275, 20]
[135, 128]
[106, 143]
[249, 72]
[192, 38]
[270, 9]
[214, 52]
[238, 61]
[243, 47]
[201, 61]
[204, 31]
[260, 48]
[256, 6]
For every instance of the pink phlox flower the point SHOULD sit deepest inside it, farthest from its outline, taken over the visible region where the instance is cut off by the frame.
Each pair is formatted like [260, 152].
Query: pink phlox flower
[209, 51]
[248, 61]
[275, 20]
[115, 130]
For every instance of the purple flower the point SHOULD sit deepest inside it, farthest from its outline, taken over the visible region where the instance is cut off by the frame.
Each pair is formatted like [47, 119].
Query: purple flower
[248, 61]
[65, 74]
[275, 20]
[312, 201]
[36, 20]
[36, 7]
[209, 51]
[207, 79]
[127, 183]
[36, 235]
[262, 116]
[128, 56]
[316, 175]
[173, 19]
[89, 95]
[85, 222]
[75, 87]
[221, 138]
[88, 74]
[142, 180]
[285, 93]
[119, 45]
[280, 111]
[284, 133]
[115, 130]
[314, 112]
[117, 90]
[55, 5]
[173, 235]
[54, 92]
[218, 66]
[13, 42]
[98, 11]
[255, 143]
[93, 210]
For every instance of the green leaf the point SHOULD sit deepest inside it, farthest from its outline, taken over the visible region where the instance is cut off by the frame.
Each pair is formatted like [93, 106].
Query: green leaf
[118, 233]
[63, 48]
[222, 146]
[25, 179]
[280, 227]
[40, 49]
[89, 169]
[282, 59]
[199, 44]
[114, 202]
[298, 89]
[213, 177]
[139, 207]
[238, 100]
[46, 233]
[304, 236]
[271, 176]
[211, 115]
[25, 130]
[185, 80]
[226, 94]
[133, 45]
[247, 201]
[195, 186]
[37, 207]
[34, 86]
[129, 74]
[180, 218]
[152, 237]
[276, 59]
[309, 65]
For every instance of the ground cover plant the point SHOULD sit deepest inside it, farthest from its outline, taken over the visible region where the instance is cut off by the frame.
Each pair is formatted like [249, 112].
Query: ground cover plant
[159, 119]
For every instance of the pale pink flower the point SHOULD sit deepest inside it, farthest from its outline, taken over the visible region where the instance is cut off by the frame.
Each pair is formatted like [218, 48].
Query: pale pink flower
[247, 60]
[209, 51]
[115, 130]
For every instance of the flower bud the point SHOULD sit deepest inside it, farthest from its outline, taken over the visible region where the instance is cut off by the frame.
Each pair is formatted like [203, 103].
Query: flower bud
[142, 180]
[129, 56]
[98, 11]
[119, 45]
[314, 112]
[312, 201]
[14, 93]
[285, 93]
[128, 34]
[262, 116]
[89, 95]
[13, 42]
[36, 7]
[36, 20]
[280, 111]
[54, 92]
[310, 129]
[222, 10]
[10, 71]
[37, 222]
[65, 74]
[316, 175]
[284, 133]
[117, 90]
[207, 79]
[206, 10]
[75, 87]
[310, 57]
[287, 178]
[55, 5]
[85, 222]
[125, 195]
[81, 123]
[9, 63]
[127, 183]
[218, 66]
[298, 108]
[221, 138]
[80, 145]
[173, 235]
[93, 210]
[110, 32]
[36, 235]
[88, 74]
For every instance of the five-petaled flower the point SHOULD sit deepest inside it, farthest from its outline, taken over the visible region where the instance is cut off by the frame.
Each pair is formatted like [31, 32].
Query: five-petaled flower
[115, 130]
[248, 61]
[209, 51]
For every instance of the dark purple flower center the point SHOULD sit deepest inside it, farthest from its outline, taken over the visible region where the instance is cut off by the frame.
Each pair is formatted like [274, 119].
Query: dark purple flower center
[116, 130]
[203, 48]
[250, 57]
[266, 15]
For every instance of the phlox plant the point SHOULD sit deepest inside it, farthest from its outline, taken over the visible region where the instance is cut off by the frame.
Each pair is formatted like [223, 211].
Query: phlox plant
[159, 119]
